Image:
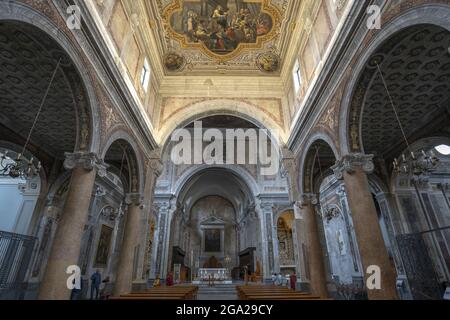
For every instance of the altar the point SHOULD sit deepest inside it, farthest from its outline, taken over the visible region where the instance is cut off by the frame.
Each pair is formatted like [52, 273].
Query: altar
[218, 274]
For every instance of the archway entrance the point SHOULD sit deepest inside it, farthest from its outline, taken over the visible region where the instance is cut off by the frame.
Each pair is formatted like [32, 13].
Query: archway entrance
[399, 102]
[215, 231]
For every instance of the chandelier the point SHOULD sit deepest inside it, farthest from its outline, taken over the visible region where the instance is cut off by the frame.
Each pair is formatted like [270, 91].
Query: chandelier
[420, 163]
[20, 167]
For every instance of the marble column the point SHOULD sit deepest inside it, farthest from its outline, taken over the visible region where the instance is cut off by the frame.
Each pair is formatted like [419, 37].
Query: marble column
[267, 213]
[162, 207]
[353, 168]
[299, 247]
[124, 279]
[316, 267]
[154, 170]
[66, 247]
[264, 242]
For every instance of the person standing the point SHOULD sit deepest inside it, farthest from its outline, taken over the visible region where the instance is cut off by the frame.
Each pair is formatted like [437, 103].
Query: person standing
[279, 281]
[293, 280]
[157, 282]
[76, 292]
[96, 280]
[169, 279]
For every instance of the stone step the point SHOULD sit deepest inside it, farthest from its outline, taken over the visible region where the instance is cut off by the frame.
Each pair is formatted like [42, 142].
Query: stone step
[218, 292]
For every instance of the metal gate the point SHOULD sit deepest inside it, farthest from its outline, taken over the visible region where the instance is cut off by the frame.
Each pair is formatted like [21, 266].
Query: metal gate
[419, 268]
[15, 255]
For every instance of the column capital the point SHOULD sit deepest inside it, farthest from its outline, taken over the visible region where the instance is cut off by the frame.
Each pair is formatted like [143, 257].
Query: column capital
[307, 199]
[351, 162]
[133, 199]
[86, 160]
[266, 206]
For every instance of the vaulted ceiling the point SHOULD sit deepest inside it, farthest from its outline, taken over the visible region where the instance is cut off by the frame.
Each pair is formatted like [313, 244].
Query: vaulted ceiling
[416, 66]
[28, 58]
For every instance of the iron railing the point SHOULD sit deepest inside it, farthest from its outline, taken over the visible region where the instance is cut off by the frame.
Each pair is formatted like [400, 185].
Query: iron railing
[415, 252]
[16, 251]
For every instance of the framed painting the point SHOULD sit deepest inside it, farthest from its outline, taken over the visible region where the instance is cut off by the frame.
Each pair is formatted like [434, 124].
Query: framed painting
[212, 240]
[103, 246]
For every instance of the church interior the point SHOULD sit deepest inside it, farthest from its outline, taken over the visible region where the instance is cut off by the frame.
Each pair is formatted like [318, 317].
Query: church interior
[225, 149]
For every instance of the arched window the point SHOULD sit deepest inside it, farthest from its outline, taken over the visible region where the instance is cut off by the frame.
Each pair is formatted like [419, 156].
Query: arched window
[145, 75]
[297, 75]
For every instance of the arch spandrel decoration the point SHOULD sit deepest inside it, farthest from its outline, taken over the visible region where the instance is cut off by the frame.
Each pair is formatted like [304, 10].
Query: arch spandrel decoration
[181, 9]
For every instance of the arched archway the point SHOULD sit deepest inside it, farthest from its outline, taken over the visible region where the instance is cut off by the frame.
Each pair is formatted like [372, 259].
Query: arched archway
[222, 107]
[122, 155]
[431, 15]
[53, 46]
[315, 170]
[227, 206]
[48, 106]
[316, 163]
[399, 98]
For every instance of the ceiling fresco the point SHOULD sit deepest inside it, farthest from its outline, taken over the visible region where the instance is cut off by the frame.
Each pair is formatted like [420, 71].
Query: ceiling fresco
[222, 28]
[223, 36]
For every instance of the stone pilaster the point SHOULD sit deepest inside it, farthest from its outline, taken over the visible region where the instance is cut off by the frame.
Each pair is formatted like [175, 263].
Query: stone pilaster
[154, 170]
[290, 171]
[128, 259]
[314, 255]
[353, 244]
[353, 168]
[161, 252]
[67, 242]
[267, 213]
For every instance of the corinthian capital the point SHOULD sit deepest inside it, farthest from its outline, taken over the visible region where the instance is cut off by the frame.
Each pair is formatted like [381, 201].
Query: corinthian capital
[133, 199]
[86, 160]
[307, 199]
[352, 162]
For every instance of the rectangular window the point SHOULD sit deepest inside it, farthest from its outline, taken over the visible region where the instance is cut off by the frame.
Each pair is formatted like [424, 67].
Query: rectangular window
[297, 77]
[145, 75]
